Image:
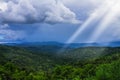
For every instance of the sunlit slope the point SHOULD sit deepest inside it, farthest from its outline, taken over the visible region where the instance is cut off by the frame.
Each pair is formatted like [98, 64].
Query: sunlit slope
[89, 52]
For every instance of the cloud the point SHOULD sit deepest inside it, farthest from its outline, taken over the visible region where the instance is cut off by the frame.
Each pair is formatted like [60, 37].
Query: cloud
[36, 11]
[82, 8]
[82, 3]
[7, 34]
[4, 26]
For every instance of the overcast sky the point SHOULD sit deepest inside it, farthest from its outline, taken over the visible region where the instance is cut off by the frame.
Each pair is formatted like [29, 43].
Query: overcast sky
[71, 21]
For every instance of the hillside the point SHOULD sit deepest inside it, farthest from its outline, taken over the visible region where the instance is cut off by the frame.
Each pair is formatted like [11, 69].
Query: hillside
[84, 53]
[23, 57]
[88, 63]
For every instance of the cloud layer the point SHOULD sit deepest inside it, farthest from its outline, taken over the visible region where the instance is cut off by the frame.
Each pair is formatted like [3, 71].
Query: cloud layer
[17, 18]
[7, 34]
[35, 11]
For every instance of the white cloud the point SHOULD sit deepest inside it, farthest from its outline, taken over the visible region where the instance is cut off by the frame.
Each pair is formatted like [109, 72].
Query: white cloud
[4, 26]
[9, 34]
[81, 3]
[35, 11]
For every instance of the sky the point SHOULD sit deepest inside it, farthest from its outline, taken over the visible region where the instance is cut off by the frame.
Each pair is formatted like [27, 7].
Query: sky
[68, 21]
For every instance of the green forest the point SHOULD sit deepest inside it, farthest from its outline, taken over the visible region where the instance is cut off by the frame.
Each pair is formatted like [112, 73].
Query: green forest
[88, 63]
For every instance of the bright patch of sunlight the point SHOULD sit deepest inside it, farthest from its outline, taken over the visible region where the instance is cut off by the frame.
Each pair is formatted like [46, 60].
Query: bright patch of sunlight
[113, 12]
[108, 10]
[104, 13]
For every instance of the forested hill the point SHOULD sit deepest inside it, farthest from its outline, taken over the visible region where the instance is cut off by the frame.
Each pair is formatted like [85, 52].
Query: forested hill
[88, 63]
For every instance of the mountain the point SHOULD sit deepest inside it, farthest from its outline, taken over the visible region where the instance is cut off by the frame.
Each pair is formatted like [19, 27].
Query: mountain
[35, 44]
[85, 63]
[71, 45]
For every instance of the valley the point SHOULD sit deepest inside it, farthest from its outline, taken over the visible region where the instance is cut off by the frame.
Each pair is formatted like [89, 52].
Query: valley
[44, 63]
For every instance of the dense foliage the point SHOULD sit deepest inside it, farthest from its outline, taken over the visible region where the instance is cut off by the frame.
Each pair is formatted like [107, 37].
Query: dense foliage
[91, 63]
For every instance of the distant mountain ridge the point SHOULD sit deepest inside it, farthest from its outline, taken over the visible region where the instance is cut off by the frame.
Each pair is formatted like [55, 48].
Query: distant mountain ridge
[72, 45]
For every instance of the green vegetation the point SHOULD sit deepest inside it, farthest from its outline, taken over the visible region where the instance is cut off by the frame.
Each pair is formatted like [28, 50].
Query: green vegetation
[91, 63]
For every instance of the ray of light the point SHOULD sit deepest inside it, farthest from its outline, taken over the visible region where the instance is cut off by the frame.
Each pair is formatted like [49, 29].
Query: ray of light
[104, 24]
[100, 12]
[76, 34]
[80, 29]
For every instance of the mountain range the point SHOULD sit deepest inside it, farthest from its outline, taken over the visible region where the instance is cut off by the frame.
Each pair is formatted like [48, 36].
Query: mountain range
[71, 45]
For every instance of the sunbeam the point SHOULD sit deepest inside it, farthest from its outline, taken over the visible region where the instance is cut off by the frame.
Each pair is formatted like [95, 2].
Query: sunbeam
[105, 13]
[97, 15]
[105, 22]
